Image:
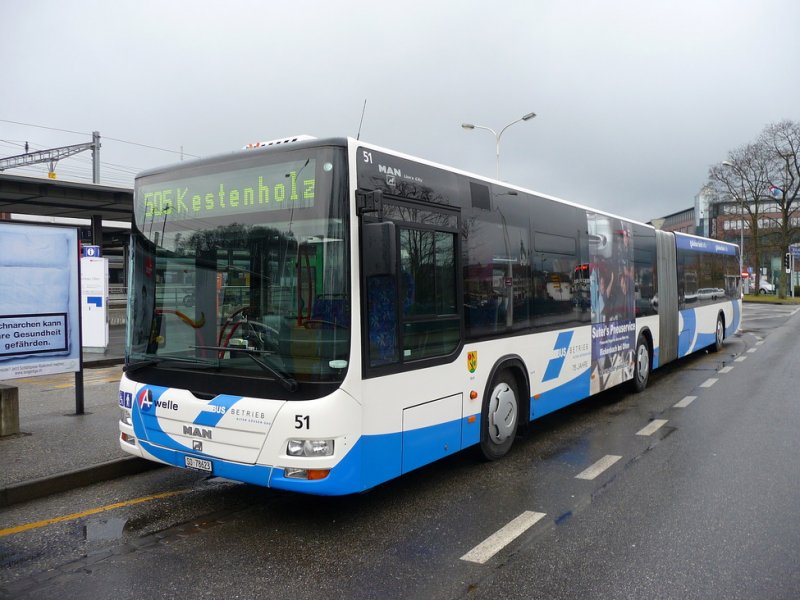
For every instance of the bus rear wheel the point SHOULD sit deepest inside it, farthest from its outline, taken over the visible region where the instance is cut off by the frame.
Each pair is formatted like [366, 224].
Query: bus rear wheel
[642, 364]
[719, 335]
[499, 416]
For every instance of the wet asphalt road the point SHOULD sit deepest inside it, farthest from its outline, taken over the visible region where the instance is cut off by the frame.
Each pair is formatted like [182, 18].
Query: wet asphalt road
[699, 501]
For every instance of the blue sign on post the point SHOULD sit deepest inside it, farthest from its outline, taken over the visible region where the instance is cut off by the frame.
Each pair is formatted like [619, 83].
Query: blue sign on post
[795, 250]
[91, 251]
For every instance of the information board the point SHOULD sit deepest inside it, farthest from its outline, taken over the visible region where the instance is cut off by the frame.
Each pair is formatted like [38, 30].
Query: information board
[94, 303]
[39, 333]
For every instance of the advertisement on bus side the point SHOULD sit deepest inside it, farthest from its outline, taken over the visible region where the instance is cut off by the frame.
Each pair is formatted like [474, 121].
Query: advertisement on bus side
[611, 282]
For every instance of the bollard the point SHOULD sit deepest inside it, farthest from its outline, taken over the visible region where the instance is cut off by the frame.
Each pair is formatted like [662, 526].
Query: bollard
[9, 410]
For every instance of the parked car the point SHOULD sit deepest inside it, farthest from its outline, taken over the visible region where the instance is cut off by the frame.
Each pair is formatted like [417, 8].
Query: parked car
[710, 293]
[765, 287]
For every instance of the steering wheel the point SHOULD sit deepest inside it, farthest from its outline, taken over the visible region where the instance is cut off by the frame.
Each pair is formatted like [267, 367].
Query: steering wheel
[262, 334]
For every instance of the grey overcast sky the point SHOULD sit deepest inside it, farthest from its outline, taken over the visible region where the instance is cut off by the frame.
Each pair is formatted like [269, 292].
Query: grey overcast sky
[635, 99]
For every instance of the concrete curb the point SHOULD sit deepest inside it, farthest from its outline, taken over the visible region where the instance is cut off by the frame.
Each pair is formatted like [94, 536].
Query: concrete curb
[45, 486]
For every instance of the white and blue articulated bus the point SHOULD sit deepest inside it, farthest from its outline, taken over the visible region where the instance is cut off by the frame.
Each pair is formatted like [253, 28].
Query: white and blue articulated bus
[322, 316]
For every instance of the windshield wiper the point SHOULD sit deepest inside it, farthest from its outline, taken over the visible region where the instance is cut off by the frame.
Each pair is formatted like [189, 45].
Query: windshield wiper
[286, 380]
[136, 366]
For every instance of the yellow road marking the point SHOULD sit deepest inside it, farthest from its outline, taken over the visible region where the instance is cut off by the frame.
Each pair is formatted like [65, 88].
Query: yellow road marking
[58, 383]
[86, 513]
[63, 386]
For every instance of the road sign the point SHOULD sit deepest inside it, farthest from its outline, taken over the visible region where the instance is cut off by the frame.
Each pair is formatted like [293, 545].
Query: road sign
[90, 251]
[795, 250]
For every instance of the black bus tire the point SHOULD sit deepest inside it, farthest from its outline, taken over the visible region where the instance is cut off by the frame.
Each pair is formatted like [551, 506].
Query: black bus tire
[642, 364]
[719, 334]
[499, 416]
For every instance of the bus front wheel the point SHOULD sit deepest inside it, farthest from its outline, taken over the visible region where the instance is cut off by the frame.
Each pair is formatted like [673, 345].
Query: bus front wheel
[499, 416]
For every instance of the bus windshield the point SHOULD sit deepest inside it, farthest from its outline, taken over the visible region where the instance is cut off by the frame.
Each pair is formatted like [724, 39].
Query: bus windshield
[240, 267]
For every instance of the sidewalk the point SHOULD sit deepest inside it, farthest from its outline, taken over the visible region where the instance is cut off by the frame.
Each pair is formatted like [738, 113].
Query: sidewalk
[57, 449]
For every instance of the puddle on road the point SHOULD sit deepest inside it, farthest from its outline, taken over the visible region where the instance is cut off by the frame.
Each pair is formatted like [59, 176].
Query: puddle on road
[104, 529]
[574, 455]
[563, 518]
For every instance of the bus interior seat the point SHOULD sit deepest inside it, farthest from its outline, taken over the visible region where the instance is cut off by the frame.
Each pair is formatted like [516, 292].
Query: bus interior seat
[331, 308]
[382, 317]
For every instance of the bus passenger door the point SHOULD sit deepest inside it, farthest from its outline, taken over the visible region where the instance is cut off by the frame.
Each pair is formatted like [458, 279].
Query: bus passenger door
[413, 321]
[412, 311]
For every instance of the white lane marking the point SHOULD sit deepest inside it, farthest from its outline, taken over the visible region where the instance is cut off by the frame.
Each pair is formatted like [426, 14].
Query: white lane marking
[794, 311]
[501, 538]
[759, 343]
[709, 382]
[685, 402]
[740, 359]
[725, 370]
[751, 350]
[654, 426]
[598, 467]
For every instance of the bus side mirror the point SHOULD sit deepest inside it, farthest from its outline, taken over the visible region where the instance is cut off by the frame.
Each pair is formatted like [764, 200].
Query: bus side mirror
[369, 202]
[378, 249]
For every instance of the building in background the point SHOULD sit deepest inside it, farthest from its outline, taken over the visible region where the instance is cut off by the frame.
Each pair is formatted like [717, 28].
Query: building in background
[724, 221]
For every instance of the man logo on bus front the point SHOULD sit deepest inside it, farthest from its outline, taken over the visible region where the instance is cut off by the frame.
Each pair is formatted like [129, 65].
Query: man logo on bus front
[145, 399]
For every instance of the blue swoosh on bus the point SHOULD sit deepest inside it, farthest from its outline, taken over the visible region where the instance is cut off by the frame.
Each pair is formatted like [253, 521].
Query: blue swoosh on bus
[560, 351]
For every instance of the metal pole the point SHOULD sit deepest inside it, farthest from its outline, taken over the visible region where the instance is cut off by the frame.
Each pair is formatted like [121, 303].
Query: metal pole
[497, 137]
[497, 151]
[79, 403]
[741, 251]
[741, 246]
[95, 157]
[97, 238]
[97, 230]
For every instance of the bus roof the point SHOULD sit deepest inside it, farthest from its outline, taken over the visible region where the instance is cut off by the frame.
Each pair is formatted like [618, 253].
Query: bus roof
[305, 141]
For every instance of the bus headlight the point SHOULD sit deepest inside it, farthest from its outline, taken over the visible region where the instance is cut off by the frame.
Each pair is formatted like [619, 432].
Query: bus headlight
[125, 417]
[309, 448]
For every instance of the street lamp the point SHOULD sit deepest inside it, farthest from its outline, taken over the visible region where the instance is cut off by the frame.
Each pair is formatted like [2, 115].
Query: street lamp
[497, 136]
[726, 163]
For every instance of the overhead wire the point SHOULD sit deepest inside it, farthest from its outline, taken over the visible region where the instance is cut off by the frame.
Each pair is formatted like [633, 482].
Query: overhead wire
[180, 152]
[71, 170]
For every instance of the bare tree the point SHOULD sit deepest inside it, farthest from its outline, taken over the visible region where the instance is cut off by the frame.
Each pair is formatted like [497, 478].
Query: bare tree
[780, 143]
[743, 179]
[759, 177]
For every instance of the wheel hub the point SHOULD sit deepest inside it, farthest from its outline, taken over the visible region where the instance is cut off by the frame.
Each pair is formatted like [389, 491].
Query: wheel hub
[502, 413]
[642, 362]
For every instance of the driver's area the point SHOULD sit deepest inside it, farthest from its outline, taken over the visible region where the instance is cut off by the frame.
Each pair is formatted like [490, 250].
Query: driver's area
[252, 298]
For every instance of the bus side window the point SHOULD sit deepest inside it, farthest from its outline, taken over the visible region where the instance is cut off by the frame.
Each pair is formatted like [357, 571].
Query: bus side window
[431, 325]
